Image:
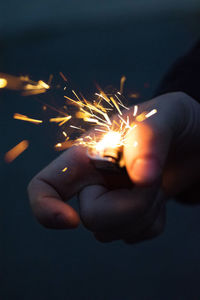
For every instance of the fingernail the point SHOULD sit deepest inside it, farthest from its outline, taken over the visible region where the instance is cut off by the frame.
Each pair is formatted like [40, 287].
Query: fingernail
[146, 170]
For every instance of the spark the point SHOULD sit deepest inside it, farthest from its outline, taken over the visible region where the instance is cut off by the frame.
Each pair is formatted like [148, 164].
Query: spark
[60, 120]
[125, 122]
[63, 76]
[104, 97]
[75, 127]
[108, 132]
[97, 129]
[116, 105]
[3, 83]
[122, 81]
[76, 95]
[141, 117]
[79, 103]
[58, 145]
[134, 95]
[151, 113]
[16, 151]
[65, 169]
[135, 110]
[23, 83]
[27, 119]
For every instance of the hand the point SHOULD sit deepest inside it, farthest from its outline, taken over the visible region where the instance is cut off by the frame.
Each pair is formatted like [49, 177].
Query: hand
[165, 163]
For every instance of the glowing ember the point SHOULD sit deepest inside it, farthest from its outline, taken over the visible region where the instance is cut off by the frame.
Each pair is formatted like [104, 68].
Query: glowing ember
[23, 83]
[27, 119]
[16, 151]
[60, 120]
[3, 83]
[151, 113]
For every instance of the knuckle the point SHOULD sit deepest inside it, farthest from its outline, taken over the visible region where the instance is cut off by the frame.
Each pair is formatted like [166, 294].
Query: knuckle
[88, 217]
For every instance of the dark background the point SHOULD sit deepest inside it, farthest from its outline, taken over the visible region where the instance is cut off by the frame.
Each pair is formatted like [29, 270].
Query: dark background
[36, 263]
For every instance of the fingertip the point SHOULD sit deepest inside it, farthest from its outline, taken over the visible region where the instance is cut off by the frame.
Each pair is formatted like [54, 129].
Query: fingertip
[66, 222]
[54, 214]
[144, 171]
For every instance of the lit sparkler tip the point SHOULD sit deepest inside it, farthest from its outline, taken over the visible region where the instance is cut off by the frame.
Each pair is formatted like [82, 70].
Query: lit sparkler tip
[112, 139]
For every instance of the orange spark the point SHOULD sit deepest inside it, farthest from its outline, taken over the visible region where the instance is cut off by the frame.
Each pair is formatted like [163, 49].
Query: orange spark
[141, 117]
[16, 151]
[27, 119]
[3, 83]
[63, 76]
[116, 105]
[60, 120]
[134, 95]
[122, 81]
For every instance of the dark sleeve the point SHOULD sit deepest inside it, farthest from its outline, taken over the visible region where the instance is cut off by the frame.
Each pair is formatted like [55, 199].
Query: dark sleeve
[184, 75]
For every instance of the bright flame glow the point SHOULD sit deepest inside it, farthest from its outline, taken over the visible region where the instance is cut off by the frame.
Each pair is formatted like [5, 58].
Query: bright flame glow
[111, 139]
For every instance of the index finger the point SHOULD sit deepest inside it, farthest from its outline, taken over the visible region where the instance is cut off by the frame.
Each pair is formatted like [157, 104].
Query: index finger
[51, 187]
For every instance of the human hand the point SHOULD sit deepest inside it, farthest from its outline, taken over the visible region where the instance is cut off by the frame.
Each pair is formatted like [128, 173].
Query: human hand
[130, 207]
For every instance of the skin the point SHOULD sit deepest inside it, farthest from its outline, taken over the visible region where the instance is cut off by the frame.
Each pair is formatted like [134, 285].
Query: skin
[128, 207]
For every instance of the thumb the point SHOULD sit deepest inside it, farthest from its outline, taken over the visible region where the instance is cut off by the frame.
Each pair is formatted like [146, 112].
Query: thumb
[148, 144]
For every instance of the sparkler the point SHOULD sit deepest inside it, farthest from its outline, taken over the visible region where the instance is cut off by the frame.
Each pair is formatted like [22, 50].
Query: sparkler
[105, 143]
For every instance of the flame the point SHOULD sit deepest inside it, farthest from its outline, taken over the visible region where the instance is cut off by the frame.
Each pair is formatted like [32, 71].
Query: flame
[112, 139]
